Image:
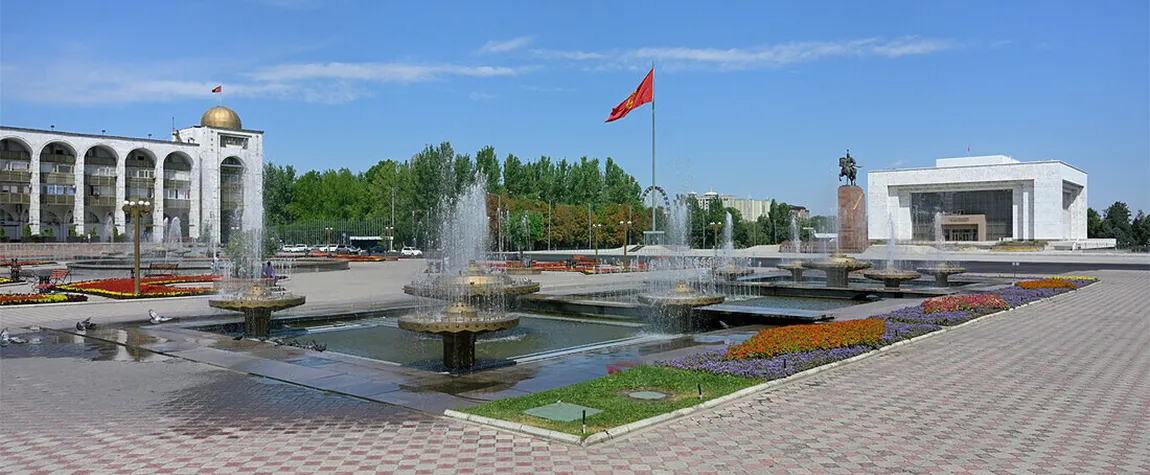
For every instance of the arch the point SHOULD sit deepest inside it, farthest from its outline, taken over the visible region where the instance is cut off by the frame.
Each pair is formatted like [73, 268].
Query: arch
[231, 196]
[178, 161]
[55, 149]
[100, 154]
[6, 144]
[143, 157]
[232, 161]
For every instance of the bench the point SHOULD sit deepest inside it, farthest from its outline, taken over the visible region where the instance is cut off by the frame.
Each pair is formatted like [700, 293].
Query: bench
[44, 284]
[158, 269]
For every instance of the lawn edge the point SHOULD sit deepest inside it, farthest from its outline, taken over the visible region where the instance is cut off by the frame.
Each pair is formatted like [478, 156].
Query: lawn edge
[615, 432]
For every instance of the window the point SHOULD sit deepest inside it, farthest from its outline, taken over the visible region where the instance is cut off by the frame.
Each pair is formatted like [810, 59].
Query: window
[58, 190]
[996, 205]
[233, 141]
[177, 194]
[178, 175]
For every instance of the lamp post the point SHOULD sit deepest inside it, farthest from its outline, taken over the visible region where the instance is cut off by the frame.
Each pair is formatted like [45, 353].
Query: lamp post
[137, 209]
[328, 248]
[596, 226]
[715, 226]
[390, 239]
[626, 242]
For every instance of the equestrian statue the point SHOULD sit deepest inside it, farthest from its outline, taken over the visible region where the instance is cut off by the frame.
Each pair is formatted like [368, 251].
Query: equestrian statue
[848, 168]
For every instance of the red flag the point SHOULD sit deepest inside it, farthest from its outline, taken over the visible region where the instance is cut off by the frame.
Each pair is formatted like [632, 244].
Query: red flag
[218, 89]
[643, 94]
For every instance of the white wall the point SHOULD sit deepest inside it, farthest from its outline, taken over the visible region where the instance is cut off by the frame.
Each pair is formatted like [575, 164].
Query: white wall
[1037, 188]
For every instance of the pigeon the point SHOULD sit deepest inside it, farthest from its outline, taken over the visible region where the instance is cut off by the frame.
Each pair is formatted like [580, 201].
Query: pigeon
[4, 337]
[278, 341]
[156, 318]
[723, 324]
[238, 337]
[85, 324]
[17, 340]
[34, 328]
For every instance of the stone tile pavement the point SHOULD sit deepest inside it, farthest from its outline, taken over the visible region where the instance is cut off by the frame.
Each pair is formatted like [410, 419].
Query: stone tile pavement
[1061, 386]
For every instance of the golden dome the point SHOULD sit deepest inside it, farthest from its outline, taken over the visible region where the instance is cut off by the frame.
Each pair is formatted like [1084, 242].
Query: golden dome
[221, 117]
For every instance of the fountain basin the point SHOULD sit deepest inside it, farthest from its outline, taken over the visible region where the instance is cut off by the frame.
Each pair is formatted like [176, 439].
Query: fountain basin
[676, 308]
[257, 306]
[837, 268]
[891, 278]
[796, 269]
[732, 272]
[457, 326]
[941, 273]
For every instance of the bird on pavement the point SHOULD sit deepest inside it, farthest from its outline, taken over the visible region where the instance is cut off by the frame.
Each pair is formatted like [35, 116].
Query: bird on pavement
[238, 337]
[156, 318]
[85, 324]
[5, 337]
[723, 324]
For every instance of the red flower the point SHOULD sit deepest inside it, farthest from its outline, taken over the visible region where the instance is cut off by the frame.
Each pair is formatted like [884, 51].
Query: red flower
[776, 341]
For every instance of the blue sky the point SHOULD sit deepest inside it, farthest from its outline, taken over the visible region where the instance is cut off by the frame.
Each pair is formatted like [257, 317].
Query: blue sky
[753, 98]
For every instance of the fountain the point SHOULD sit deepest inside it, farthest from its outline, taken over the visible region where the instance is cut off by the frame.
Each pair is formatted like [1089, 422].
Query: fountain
[891, 276]
[837, 267]
[246, 252]
[477, 297]
[940, 270]
[677, 305]
[795, 265]
[727, 267]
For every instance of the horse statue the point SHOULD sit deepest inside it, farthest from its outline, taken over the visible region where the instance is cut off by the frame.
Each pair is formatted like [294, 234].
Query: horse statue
[848, 168]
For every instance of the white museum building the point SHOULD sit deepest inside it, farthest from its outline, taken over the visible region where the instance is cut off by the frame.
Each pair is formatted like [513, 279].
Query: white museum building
[206, 180]
[989, 198]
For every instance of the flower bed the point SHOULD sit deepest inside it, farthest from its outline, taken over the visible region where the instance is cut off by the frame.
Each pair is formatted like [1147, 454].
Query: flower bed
[7, 263]
[149, 287]
[951, 303]
[24, 299]
[1047, 284]
[5, 280]
[797, 338]
[1074, 277]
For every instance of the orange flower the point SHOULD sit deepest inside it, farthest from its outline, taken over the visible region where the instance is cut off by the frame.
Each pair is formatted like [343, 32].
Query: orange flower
[776, 341]
[1047, 284]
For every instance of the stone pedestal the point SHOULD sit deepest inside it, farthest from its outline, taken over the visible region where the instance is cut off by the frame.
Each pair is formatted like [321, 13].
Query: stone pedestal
[459, 350]
[852, 219]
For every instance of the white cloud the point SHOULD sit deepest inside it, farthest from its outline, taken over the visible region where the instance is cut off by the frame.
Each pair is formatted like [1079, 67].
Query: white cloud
[383, 72]
[82, 82]
[743, 58]
[480, 96]
[503, 46]
[547, 89]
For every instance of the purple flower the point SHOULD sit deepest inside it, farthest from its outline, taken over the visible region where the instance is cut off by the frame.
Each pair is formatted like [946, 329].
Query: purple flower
[898, 331]
[762, 368]
[919, 316]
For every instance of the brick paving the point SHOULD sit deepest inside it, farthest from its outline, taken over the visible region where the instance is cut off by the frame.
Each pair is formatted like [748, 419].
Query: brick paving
[1062, 386]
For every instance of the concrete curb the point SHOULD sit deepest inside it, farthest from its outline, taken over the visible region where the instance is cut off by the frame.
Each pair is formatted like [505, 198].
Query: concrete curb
[615, 432]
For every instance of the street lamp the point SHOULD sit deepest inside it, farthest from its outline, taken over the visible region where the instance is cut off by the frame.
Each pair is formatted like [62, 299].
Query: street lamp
[626, 242]
[136, 209]
[328, 248]
[597, 226]
[390, 239]
[715, 226]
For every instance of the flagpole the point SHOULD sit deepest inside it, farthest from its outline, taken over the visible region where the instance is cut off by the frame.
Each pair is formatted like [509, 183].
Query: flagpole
[653, 227]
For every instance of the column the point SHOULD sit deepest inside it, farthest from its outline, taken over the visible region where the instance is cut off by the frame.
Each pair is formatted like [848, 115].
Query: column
[34, 206]
[78, 215]
[159, 231]
[1016, 212]
[121, 193]
[195, 199]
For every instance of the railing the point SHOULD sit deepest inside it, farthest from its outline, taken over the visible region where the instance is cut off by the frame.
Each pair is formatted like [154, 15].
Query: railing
[141, 182]
[15, 198]
[15, 155]
[99, 180]
[182, 184]
[57, 178]
[57, 200]
[100, 201]
[175, 203]
[14, 176]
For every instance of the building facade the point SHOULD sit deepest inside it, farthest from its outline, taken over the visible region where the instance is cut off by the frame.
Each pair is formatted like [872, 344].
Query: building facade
[987, 198]
[749, 208]
[206, 181]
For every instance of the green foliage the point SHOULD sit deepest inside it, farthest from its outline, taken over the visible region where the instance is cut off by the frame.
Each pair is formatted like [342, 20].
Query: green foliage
[27, 229]
[92, 232]
[3, 234]
[295, 204]
[1093, 223]
[48, 232]
[72, 231]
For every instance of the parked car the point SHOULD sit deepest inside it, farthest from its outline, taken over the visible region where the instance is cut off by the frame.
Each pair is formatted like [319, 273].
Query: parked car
[295, 248]
[409, 251]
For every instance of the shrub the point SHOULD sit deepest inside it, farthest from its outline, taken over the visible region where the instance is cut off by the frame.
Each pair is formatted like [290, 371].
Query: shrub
[1047, 284]
[951, 303]
[776, 341]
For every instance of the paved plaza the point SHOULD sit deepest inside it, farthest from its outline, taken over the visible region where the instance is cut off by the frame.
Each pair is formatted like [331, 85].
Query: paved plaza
[1060, 386]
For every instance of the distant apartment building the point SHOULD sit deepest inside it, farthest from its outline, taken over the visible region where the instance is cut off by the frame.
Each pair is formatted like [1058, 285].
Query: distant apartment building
[751, 209]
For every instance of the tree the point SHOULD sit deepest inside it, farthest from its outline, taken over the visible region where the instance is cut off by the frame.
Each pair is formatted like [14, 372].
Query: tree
[1116, 223]
[487, 164]
[278, 181]
[1140, 230]
[1093, 224]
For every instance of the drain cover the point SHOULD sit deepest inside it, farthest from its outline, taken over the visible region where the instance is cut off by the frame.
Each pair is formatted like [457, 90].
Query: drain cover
[647, 395]
[561, 411]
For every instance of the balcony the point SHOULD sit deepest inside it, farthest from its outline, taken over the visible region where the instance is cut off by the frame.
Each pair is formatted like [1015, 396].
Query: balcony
[15, 155]
[174, 203]
[100, 201]
[15, 198]
[141, 182]
[181, 184]
[16, 176]
[57, 178]
[66, 200]
[99, 180]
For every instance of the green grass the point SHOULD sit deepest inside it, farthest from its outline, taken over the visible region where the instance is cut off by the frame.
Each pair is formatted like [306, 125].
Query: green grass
[606, 394]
